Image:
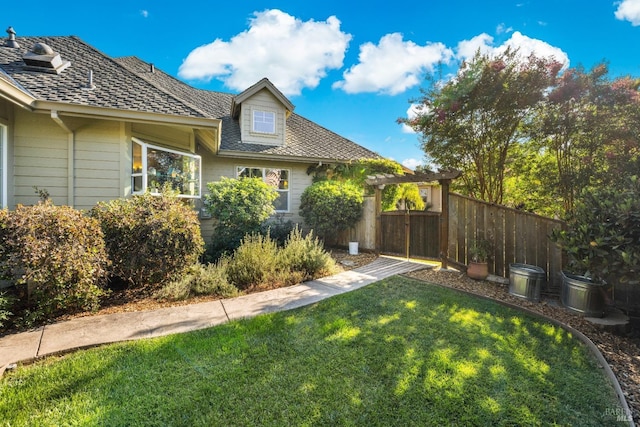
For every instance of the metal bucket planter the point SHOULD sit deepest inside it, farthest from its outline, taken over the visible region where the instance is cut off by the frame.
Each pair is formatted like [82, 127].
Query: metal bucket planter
[582, 295]
[525, 281]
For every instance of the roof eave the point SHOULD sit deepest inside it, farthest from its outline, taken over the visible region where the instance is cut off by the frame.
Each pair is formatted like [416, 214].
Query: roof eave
[76, 110]
[279, 157]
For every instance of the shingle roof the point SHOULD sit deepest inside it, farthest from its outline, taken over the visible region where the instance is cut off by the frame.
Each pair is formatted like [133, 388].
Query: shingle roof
[130, 84]
[304, 139]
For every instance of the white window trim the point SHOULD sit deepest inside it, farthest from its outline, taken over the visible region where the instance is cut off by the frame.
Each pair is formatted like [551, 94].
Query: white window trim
[3, 177]
[144, 172]
[264, 173]
[253, 122]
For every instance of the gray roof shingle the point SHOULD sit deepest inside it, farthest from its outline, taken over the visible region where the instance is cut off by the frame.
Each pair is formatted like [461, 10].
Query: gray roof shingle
[130, 84]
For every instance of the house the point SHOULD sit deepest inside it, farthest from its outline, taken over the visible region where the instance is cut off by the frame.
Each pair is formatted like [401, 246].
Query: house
[87, 127]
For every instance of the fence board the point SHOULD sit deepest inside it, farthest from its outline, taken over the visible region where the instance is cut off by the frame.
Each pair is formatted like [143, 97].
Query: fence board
[518, 237]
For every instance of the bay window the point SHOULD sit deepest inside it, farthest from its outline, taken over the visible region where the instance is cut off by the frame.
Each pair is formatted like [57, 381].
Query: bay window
[276, 178]
[153, 167]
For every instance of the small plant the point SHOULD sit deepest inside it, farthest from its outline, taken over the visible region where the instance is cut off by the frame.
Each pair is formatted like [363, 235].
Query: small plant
[277, 228]
[254, 262]
[150, 239]
[480, 250]
[305, 255]
[199, 279]
[6, 304]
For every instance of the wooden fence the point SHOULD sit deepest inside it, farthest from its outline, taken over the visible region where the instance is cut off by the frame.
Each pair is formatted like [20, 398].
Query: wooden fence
[517, 237]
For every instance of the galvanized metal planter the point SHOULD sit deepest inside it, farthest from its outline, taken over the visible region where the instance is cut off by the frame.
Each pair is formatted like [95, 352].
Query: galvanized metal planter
[582, 295]
[526, 281]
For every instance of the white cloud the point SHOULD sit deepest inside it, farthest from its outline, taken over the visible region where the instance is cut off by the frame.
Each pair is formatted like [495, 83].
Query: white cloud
[392, 66]
[291, 53]
[144, 13]
[526, 45]
[502, 28]
[628, 10]
[411, 163]
[412, 112]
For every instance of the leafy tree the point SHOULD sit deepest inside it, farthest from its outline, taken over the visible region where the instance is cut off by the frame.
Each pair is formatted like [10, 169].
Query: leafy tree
[589, 123]
[240, 207]
[331, 206]
[471, 122]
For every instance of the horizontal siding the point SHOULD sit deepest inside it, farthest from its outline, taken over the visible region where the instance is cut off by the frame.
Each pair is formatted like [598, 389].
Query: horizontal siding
[263, 101]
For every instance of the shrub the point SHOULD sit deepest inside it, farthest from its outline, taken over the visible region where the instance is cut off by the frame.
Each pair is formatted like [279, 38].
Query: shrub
[305, 255]
[150, 239]
[602, 240]
[277, 228]
[331, 206]
[239, 207]
[254, 262]
[199, 279]
[57, 253]
[6, 304]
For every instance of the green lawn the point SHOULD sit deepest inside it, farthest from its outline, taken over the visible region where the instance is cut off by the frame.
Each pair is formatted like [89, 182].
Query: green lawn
[398, 352]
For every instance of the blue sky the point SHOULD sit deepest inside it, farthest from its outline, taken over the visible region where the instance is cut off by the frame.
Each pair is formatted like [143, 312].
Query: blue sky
[352, 68]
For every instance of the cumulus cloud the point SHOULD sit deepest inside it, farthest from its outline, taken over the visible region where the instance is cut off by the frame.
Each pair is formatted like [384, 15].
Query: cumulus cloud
[392, 66]
[526, 45]
[291, 53]
[629, 10]
[412, 112]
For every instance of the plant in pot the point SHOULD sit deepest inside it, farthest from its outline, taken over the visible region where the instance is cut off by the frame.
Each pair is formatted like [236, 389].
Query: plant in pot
[480, 250]
[602, 243]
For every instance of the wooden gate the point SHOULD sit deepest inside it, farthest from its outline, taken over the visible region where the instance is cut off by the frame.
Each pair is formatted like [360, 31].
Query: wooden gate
[414, 234]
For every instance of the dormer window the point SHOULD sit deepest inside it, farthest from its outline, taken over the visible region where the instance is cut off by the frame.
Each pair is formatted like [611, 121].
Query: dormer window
[264, 122]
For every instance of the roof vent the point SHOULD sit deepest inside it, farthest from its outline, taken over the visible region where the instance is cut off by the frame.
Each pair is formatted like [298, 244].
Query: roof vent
[42, 58]
[11, 41]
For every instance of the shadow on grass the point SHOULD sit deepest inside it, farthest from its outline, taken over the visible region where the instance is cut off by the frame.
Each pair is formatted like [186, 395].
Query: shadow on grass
[397, 352]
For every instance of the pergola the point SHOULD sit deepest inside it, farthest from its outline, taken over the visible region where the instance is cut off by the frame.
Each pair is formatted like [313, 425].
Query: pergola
[443, 177]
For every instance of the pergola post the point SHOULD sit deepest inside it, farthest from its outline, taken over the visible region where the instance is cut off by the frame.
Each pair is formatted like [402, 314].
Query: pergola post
[378, 202]
[444, 223]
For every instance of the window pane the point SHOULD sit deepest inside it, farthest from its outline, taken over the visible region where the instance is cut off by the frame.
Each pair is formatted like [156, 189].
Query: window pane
[264, 122]
[137, 158]
[179, 171]
[282, 202]
[137, 183]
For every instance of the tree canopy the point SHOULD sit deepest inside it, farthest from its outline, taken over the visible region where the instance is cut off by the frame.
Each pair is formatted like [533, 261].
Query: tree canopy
[527, 133]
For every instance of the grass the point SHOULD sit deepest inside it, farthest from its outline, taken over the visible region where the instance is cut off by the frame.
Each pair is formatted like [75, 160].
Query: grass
[398, 352]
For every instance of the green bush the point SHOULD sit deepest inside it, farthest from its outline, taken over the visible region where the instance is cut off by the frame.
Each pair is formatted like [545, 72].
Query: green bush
[6, 304]
[254, 262]
[150, 239]
[602, 239]
[239, 207]
[277, 228]
[329, 207]
[199, 279]
[57, 254]
[305, 256]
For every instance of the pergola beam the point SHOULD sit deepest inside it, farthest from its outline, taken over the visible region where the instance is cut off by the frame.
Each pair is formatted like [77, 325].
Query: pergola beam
[384, 179]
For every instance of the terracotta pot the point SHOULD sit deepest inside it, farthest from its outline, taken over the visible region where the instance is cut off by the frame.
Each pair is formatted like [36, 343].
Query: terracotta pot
[478, 270]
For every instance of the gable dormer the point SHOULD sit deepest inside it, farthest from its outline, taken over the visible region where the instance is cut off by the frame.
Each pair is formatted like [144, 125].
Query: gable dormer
[262, 111]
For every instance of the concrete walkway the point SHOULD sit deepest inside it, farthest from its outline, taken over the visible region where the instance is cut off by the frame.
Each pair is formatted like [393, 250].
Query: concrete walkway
[94, 330]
